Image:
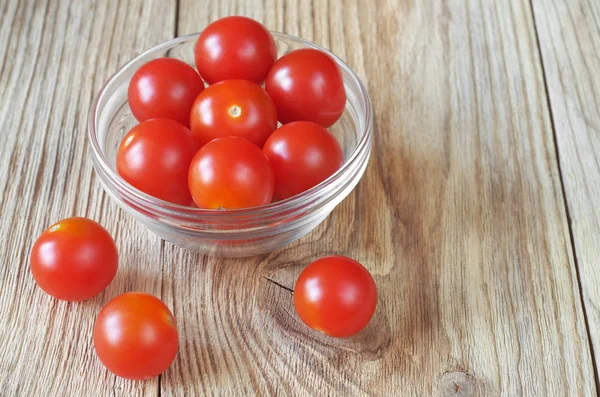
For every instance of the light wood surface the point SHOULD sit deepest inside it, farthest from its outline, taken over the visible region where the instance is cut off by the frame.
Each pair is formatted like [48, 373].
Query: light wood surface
[54, 57]
[460, 217]
[569, 34]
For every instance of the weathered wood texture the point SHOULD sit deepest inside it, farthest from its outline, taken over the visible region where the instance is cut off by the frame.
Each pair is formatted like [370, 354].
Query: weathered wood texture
[460, 216]
[54, 57]
[569, 33]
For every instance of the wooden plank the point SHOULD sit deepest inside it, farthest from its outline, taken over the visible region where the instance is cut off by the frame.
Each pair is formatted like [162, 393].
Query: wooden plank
[460, 218]
[54, 57]
[569, 36]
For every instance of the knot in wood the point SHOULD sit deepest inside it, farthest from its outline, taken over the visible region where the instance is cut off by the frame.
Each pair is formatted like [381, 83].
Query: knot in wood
[456, 384]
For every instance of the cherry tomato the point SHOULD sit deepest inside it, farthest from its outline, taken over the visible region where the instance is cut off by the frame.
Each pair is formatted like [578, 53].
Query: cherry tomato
[302, 154]
[234, 107]
[230, 172]
[155, 157]
[135, 336]
[235, 48]
[164, 88]
[307, 85]
[335, 295]
[74, 260]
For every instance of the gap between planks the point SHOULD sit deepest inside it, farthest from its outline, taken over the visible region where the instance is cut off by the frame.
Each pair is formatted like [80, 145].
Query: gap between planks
[565, 204]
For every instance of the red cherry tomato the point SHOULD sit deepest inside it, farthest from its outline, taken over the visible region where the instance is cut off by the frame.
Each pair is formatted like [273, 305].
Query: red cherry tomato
[234, 107]
[302, 154]
[307, 85]
[335, 295]
[135, 336]
[74, 260]
[235, 48]
[155, 157]
[230, 172]
[164, 88]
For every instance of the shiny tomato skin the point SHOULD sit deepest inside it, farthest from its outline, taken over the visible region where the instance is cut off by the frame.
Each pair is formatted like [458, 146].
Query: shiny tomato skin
[74, 260]
[335, 295]
[307, 85]
[155, 157]
[235, 48]
[230, 172]
[302, 154]
[164, 88]
[135, 336]
[234, 108]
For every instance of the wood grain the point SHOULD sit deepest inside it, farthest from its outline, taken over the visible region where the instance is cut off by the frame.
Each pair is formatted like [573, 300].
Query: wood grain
[54, 57]
[460, 217]
[569, 35]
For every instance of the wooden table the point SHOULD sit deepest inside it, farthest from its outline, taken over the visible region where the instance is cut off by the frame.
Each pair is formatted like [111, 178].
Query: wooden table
[479, 214]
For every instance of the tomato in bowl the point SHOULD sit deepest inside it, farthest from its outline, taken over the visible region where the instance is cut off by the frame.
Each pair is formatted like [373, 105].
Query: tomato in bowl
[235, 232]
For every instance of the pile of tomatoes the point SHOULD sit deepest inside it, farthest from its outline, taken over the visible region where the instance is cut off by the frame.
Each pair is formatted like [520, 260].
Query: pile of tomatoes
[232, 157]
[219, 147]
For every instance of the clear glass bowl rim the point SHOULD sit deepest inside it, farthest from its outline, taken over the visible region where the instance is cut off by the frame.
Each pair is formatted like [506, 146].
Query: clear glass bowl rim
[164, 209]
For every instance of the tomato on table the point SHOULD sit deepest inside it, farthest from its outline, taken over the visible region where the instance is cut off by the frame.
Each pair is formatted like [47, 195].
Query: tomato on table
[230, 172]
[335, 295]
[307, 85]
[74, 260]
[155, 157]
[302, 154]
[135, 336]
[164, 88]
[235, 48]
[234, 107]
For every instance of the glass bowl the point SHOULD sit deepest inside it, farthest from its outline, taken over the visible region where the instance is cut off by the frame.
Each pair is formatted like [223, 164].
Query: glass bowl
[230, 233]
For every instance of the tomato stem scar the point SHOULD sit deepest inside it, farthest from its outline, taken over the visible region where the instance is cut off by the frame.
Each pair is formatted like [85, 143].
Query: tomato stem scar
[235, 111]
